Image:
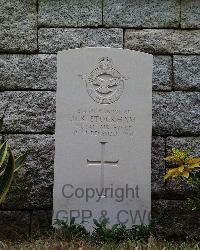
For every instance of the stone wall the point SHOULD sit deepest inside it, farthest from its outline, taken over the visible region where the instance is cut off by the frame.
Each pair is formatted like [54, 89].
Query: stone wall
[31, 33]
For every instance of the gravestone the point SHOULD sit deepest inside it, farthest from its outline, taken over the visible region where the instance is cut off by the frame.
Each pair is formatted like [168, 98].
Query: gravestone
[103, 136]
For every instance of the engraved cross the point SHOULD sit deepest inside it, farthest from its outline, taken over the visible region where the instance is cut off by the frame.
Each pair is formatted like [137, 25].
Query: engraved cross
[102, 163]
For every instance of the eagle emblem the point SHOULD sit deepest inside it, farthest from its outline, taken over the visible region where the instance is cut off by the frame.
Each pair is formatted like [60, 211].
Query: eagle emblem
[104, 83]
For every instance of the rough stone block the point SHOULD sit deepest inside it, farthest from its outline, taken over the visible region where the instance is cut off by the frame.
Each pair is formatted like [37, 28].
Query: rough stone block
[68, 13]
[28, 72]
[33, 184]
[184, 143]
[53, 40]
[176, 113]
[190, 14]
[41, 222]
[178, 189]
[163, 41]
[18, 26]
[29, 111]
[162, 73]
[157, 165]
[174, 222]
[3, 103]
[141, 13]
[14, 225]
[186, 72]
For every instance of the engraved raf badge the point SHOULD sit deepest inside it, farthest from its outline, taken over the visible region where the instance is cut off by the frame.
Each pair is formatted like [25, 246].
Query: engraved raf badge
[104, 83]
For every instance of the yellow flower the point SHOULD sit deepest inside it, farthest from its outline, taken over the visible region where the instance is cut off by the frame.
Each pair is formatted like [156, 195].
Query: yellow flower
[181, 168]
[173, 173]
[173, 159]
[193, 163]
[177, 156]
[193, 160]
[181, 171]
[186, 173]
[186, 164]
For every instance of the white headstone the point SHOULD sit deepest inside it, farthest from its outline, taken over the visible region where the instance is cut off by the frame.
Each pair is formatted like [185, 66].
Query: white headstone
[103, 136]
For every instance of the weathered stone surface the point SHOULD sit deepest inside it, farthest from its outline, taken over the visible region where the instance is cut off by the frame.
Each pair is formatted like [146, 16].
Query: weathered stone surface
[180, 187]
[41, 222]
[29, 111]
[14, 225]
[162, 73]
[33, 184]
[176, 113]
[18, 26]
[190, 14]
[157, 165]
[141, 13]
[163, 41]
[28, 72]
[53, 40]
[184, 143]
[174, 221]
[186, 72]
[3, 103]
[74, 13]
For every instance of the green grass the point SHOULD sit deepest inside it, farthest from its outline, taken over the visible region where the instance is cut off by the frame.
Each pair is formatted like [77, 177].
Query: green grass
[51, 244]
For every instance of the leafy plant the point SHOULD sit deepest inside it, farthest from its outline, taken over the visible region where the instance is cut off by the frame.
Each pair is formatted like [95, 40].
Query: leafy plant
[119, 233]
[70, 230]
[187, 168]
[193, 202]
[8, 166]
[102, 234]
[141, 232]
[184, 162]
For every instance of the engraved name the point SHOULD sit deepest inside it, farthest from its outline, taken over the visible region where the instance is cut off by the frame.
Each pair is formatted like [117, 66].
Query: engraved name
[103, 122]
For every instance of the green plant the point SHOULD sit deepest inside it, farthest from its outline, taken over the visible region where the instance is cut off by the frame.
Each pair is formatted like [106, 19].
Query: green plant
[116, 234]
[102, 234]
[193, 202]
[187, 168]
[71, 230]
[142, 232]
[119, 233]
[8, 166]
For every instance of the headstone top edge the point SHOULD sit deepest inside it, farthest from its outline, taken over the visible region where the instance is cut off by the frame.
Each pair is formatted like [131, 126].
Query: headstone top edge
[104, 48]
